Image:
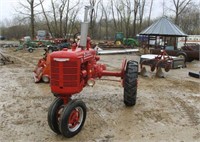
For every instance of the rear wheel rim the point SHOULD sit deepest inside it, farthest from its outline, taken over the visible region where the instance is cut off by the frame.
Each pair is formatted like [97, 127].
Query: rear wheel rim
[181, 56]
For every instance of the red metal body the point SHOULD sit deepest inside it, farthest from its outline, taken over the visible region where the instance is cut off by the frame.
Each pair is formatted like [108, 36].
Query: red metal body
[43, 68]
[71, 69]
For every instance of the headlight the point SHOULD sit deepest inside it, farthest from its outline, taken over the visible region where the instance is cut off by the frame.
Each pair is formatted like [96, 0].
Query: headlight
[45, 79]
[91, 82]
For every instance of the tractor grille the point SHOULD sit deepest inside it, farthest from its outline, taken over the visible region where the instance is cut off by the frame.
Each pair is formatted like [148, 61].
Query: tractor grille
[65, 74]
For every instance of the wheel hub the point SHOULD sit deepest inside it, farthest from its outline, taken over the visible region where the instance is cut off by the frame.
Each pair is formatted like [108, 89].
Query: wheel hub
[75, 119]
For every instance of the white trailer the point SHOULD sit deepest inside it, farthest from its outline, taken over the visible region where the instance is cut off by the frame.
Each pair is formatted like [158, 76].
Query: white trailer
[190, 39]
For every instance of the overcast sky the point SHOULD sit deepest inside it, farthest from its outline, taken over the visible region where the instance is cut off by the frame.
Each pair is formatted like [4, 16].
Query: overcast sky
[7, 8]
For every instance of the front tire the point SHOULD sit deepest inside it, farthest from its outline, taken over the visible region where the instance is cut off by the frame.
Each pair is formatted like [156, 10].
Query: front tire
[54, 114]
[130, 83]
[73, 118]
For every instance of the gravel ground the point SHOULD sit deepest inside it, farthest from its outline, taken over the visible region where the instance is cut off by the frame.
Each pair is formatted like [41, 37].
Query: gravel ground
[167, 109]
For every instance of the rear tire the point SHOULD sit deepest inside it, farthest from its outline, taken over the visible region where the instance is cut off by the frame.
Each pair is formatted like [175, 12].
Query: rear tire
[30, 50]
[73, 118]
[54, 114]
[130, 83]
[183, 56]
[190, 59]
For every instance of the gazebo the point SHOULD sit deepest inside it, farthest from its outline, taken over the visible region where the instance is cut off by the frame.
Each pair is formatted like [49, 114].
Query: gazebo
[163, 30]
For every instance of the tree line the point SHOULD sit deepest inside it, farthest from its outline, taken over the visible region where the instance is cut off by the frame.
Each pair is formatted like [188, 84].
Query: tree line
[62, 17]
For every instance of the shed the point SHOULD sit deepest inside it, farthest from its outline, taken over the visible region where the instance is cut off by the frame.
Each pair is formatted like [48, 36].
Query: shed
[163, 29]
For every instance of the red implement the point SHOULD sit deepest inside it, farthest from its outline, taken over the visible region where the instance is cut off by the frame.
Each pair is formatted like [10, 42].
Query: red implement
[42, 70]
[161, 61]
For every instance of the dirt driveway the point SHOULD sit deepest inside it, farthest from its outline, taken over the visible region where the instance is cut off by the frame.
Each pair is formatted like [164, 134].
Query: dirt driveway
[167, 109]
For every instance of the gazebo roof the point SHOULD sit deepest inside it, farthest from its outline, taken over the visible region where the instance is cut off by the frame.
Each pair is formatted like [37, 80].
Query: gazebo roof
[163, 27]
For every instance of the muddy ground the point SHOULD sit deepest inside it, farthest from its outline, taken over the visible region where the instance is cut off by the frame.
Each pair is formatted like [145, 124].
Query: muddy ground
[167, 109]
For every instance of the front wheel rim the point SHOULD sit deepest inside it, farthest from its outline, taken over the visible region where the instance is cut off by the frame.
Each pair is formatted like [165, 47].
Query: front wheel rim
[59, 113]
[75, 119]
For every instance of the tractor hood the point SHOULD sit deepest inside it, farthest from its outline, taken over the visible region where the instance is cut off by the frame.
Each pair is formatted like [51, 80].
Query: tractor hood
[67, 54]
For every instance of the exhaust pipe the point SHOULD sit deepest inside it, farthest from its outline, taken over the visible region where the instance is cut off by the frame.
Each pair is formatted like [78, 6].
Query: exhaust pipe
[84, 28]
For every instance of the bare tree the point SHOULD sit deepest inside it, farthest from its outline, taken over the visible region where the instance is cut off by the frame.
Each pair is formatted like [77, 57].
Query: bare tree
[135, 12]
[163, 8]
[127, 17]
[189, 23]
[93, 17]
[100, 25]
[113, 15]
[105, 13]
[66, 18]
[61, 12]
[119, 16]
[141, 12]
[124, 11]
[180, 6]
[108, 17]
[63, 15]
[58, 8]
[55, 19]
[29, 11]
[150, 10]
[70, 19]
[58, 11]
[46, 17]
[15, 28]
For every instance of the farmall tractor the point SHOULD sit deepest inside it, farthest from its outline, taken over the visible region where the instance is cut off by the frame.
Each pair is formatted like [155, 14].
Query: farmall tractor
[72, 70]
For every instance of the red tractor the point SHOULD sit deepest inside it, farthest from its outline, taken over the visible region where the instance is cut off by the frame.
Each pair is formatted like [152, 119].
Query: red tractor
[72, 70]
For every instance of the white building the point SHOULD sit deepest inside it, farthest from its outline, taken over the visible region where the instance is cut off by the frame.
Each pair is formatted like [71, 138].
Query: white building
[190, 39]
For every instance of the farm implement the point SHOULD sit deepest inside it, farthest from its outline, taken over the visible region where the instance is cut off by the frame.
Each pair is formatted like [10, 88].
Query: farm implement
[71, 71]
[5, 60]
[157, 63]
[42, 70]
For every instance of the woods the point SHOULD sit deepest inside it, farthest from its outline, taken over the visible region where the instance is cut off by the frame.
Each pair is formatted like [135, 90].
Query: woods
[61, 18]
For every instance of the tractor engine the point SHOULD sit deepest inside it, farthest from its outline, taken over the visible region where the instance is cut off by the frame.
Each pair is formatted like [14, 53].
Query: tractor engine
[72, 69]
